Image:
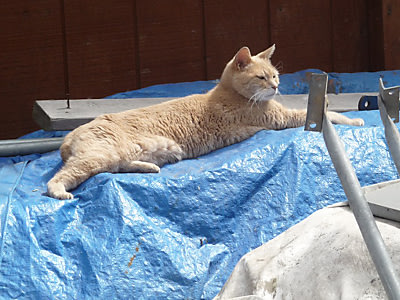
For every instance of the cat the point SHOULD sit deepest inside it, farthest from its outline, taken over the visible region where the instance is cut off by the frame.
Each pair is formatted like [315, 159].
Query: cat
[144, 139]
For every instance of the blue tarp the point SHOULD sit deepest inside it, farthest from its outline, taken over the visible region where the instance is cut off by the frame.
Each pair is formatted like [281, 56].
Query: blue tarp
[177, 234]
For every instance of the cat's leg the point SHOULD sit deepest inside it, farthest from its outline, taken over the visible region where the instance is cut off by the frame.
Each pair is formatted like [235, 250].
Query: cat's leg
[158, 150]
[337, 118]
[277, 116]
[280, 117]
[139, 167]
[297, 118]
[75, 171]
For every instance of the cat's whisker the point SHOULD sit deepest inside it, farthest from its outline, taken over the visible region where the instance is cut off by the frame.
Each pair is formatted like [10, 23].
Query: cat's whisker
[251, 100]
[258, 104]
[256, 96]
[255, 99]
[251, 107]
[263, 95]
[279, 66]
[278, 94]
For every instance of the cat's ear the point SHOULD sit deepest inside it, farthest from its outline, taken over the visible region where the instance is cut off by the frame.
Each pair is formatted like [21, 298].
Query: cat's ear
[242, 58]
[267, 53]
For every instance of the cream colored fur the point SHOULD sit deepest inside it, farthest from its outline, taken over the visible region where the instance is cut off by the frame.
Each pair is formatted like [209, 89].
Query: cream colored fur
[143, 140]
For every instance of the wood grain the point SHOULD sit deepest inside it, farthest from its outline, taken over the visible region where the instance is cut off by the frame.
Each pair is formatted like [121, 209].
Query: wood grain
[170, 41]
[391, 29]
[349, 35]
[31, 63]
[101, 47]
[375, 36]
[127, 44]
[302, 33]
[230, 25]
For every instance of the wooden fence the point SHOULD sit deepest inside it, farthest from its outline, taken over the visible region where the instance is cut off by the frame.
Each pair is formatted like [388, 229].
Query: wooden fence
[94, 48]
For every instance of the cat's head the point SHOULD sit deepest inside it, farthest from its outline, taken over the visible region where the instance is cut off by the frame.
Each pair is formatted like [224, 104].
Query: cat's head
[253, 77]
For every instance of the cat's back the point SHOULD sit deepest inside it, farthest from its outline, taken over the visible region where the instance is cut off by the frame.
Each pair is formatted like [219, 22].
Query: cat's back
[187, 104]
[174, 113]
[177, 112]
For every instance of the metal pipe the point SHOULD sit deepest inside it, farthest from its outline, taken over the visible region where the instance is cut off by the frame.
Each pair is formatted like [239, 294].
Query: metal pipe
[361, 211]
[29, 146]
[392, 135]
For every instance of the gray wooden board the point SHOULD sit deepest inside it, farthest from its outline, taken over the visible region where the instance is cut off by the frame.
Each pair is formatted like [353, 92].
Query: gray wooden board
[383, 199]
[54, 114]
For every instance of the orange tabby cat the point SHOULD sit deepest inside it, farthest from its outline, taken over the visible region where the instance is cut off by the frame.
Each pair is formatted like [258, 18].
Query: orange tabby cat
[143, 140]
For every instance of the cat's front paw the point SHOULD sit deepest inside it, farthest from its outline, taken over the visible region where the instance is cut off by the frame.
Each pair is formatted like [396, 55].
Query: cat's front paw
[357, 122]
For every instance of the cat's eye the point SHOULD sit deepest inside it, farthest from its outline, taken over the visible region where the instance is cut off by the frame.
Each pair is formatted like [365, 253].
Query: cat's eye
[274, 76]
[261, 77]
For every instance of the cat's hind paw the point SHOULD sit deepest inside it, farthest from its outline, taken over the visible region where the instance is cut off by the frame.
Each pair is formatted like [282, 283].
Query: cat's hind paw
[57, 191]
[358, 122]
[62, 196]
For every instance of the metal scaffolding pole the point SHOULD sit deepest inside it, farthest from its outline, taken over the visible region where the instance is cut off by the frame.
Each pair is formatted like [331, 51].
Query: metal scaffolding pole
[361, 211]
[317, 121]
[29, 146]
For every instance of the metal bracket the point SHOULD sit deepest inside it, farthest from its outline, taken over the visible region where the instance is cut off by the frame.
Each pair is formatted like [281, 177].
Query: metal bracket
[317, 102]
[388, 102]
[368, 103]
[390, 98]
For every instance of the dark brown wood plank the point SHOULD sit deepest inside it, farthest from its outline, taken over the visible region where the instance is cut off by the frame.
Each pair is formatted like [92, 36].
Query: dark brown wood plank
[302, 33]
[101, 47]
[170, 41]
[350, 36]
[230, 25]
[375, 35]
[31, 61]
[391, 33]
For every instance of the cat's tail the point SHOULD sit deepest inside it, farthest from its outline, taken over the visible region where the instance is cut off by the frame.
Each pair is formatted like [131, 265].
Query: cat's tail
[74, 172]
